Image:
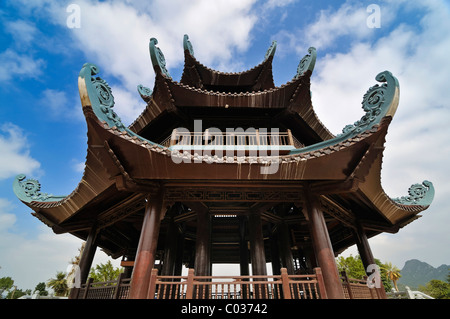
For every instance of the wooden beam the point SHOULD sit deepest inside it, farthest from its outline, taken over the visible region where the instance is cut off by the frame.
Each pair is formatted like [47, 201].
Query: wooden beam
[127, 263]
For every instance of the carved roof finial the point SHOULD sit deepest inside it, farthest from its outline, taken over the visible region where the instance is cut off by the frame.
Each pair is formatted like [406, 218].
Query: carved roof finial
[158, 59]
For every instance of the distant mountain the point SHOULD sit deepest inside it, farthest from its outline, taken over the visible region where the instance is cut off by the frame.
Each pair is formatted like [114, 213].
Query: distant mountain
[417, 273]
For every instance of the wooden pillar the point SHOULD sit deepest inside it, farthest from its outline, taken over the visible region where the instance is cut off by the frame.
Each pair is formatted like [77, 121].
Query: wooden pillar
[88, 254]
[202, 264]
[243, 253]
[180, 253]
[365, 252]
[170, 249]
[257, 252]
[275, 252]
[243, 247]
[145, 255]
[287, 258]
[322, 247]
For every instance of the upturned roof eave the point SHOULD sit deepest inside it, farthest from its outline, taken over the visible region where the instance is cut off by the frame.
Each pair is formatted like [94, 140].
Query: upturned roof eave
[196, 74]
[109, 138]
[168, 94]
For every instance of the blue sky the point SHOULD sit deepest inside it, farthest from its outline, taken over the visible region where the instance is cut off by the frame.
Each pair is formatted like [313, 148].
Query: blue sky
[43, 132]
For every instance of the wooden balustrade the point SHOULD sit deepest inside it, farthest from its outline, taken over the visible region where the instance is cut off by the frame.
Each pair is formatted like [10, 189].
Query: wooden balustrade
[233, 138]
[358, 288]
[283, 286]
[117, 289]
[237, 287]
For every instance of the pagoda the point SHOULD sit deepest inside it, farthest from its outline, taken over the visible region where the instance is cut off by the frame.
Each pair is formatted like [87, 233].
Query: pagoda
[227, 168]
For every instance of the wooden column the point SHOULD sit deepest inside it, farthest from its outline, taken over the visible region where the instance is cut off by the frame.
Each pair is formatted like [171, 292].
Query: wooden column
[145, 255]
[275, 252]
[202, 264]
[365, 252]
[285, 248]
[243, 253]
[243, 247]
[171, 243]
[322, 246]
[180, 252]
[257, 252]
[88, 254]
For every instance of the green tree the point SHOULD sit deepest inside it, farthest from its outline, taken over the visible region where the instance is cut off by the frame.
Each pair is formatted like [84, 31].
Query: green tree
[105, 272]
[17, 293]
[392, 273]
[437, 289]
[6, 283]
[354, 268]
[59, 284]
[41, 288]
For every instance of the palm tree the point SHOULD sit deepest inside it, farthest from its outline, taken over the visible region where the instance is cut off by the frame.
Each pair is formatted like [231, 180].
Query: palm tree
[105, 272]
[59, 284]
[392, 273]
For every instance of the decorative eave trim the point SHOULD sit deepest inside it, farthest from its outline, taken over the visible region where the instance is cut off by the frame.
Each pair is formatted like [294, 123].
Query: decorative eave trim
[158, 60]
[307, 63]
[271, 51]
[378, 102]
[187, 45]
[95, 93]
[145, 93]
[419, 195]
[29, 190]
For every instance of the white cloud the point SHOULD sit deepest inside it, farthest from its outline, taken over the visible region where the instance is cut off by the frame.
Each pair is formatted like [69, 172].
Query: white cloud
[16, 158]
[128, 104]
[270, 4]
[115, 36]
[417, 143]
[55, 100]
[215, 28]
[7, 219]
[79, 166]
[59, 105]
[348, 20]
[37, 254]
[37, 258]
[19, 65]
[17, 61]
[22, 31]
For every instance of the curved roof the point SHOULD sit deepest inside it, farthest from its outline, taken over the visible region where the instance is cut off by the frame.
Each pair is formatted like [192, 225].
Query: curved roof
[197, 75]
[121, 162]
[169, 96]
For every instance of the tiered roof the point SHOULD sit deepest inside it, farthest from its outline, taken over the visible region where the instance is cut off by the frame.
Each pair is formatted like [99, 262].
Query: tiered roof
[123, 164]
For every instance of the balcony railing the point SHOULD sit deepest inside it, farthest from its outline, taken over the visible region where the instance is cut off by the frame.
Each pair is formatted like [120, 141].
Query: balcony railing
[282, 286]
[359, 289]
[233, 141]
